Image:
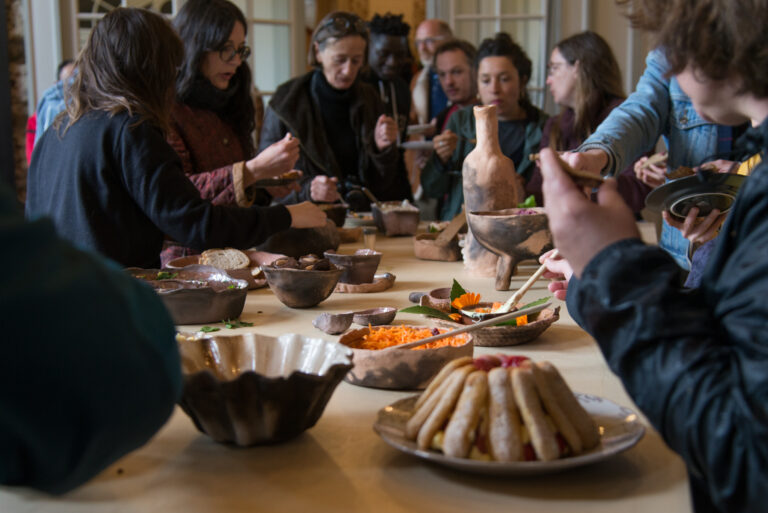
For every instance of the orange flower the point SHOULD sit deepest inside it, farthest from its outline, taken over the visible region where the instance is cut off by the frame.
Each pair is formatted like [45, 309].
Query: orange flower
[522, 320]
[455, 316]
[496, 306]
[465, 300]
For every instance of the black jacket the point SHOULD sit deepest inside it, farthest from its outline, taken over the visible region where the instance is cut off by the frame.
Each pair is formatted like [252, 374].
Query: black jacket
[116, 187]
[294, 108]
[695, 360]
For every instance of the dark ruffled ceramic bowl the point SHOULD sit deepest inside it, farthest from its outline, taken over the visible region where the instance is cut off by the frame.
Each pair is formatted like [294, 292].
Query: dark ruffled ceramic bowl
[359, 267]
[301, 288]
[196, 294]
[399, 369]
[395, 217]
[254, 389]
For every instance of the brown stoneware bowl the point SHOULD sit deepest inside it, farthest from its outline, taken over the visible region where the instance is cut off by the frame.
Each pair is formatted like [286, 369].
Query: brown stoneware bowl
[300, 288]
[359, 267]
[439, 299]
[296, 242]
[426, 247]
[394, 218]
[254, 389]
[400, 369]
[336, 212]
[197, 294]
[513, 236]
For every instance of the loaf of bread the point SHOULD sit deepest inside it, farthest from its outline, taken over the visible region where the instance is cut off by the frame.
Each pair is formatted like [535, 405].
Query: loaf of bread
[227, 259]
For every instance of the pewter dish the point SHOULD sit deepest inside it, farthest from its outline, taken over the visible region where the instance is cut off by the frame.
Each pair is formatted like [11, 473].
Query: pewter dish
[197, 293]
[620, 429]
[255, 389]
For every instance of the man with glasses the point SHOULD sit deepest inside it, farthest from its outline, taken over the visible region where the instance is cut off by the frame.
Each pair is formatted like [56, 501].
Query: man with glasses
[428, 96]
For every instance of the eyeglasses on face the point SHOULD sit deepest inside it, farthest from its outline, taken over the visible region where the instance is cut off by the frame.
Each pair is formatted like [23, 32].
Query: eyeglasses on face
[228, 52]
[345, 24]
[428, 40]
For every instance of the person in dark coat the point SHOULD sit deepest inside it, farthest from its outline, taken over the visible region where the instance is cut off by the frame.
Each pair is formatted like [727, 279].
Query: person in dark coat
[106, 175]
[693, 360]
[347, 141]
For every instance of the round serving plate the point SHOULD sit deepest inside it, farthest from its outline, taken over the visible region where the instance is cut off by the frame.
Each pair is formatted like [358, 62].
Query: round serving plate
[706, 190]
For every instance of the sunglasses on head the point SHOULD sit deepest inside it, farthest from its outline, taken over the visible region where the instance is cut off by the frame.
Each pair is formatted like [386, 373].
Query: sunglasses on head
[345, 23]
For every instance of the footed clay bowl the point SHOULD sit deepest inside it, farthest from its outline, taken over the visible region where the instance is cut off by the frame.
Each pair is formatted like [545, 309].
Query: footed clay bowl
[296, 242]
[359, 267]
[399, 369]
[254, 389]
[426, 247]
[513, 236]
[300, 288]
[392, 218]
[336, 212]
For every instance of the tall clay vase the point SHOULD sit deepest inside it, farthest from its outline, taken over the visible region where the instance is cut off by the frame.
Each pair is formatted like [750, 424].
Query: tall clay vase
[489, 183]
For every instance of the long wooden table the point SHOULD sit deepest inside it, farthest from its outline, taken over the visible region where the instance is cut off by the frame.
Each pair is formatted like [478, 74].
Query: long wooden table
[341, 465]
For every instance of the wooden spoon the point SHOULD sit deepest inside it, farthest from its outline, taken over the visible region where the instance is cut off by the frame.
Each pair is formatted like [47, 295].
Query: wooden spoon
[453, 228]
[473, 327]
[516, 297]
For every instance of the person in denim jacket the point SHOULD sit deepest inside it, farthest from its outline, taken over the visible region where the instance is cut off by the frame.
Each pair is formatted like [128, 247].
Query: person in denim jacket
[658, 107]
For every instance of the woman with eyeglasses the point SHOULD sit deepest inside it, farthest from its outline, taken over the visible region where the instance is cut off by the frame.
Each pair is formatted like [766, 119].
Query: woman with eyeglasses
[584, 79]
[213, 119]
[503, 70]
[346, 141]
[105, 173]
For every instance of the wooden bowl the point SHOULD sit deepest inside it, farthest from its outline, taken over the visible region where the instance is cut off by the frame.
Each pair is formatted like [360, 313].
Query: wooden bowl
[399, 369]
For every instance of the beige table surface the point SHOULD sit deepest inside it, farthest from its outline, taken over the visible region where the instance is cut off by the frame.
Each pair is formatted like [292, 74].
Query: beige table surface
[341, 465]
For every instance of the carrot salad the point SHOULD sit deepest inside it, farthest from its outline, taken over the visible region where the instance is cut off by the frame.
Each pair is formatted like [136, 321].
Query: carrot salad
[381, 338]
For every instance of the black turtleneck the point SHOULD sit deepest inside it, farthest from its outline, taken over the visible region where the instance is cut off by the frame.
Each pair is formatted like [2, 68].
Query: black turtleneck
[334, 109]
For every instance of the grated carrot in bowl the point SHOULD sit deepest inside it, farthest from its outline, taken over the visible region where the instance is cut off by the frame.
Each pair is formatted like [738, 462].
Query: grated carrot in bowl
[388, 336]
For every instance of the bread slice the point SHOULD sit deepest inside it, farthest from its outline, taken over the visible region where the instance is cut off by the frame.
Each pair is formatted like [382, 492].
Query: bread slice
[226, 259]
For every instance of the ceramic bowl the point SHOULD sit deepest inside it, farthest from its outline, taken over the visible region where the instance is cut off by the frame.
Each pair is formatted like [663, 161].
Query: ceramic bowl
[299, 288]
[336, 212]
[254, 389]
[426, 247]
[439, 299]
[500, 336]
[515, 234]
[359, 267]
[394, 218]
[399, 369]
[296, 242]
[197, 293]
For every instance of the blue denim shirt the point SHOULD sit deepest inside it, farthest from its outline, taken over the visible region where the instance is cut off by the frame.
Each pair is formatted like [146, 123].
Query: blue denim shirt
[657, 108]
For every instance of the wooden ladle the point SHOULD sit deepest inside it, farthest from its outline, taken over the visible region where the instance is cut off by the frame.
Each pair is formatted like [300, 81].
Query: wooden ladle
[516, 297]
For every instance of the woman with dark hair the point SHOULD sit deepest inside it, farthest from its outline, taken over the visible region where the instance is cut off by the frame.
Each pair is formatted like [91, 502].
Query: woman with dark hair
[346, 141]
[106, 175]
[503, 70]
[584, 79]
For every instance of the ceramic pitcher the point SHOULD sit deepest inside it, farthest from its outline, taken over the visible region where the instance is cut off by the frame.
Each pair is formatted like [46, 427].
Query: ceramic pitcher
[489, 182]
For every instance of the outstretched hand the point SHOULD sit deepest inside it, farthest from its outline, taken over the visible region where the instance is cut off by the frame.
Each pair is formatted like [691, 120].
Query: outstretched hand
[580, 228]
[559, 271]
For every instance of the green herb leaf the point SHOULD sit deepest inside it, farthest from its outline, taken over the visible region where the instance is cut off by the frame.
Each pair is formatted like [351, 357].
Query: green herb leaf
[166, 275]
[231, 287]
[537, 302]
[457, 290]
[530, 202]
[209, 329]
[428, 311]
[231, 324]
